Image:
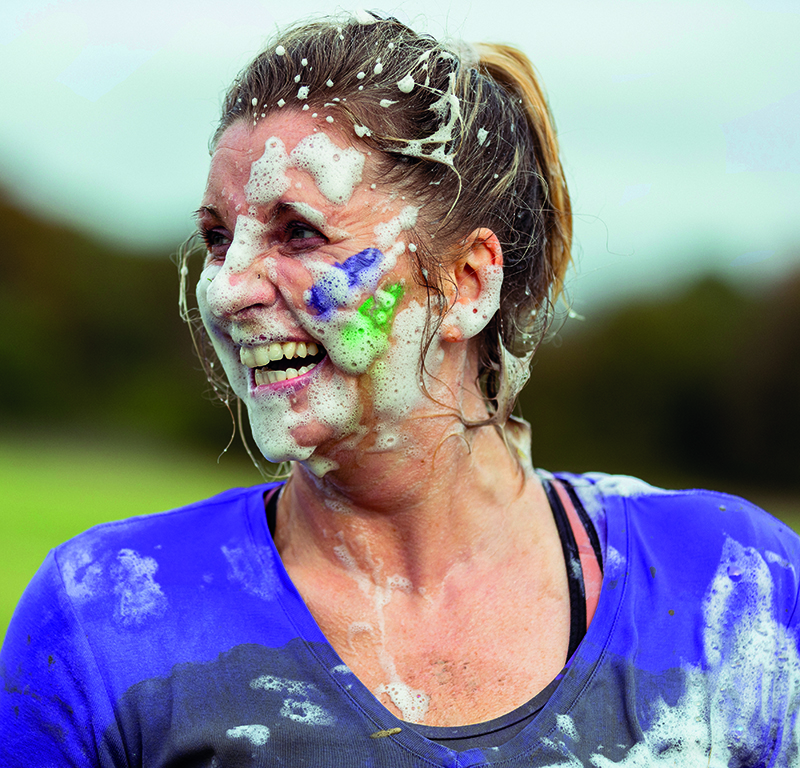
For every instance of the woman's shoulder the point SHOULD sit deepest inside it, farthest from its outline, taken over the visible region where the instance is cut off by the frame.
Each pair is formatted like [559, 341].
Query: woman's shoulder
[186, 524]
[649, 504]
[690, 539]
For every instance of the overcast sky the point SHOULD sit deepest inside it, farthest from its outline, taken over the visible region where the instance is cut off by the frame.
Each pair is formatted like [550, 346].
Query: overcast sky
[679, 121]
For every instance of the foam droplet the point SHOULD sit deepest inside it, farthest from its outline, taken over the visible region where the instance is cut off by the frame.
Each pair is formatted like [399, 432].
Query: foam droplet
[406, 85]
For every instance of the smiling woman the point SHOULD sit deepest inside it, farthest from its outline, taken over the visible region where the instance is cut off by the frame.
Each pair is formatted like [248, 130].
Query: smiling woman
[385, 229]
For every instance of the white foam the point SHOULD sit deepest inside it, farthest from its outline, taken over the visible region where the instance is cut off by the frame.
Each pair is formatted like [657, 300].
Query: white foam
[83, 578]
[248, 576]
[335, 170]
[472, 317]
[622, 485]
[257, 735]
[749, 679]
[268, 179]
[406, 85]
[273, 683]
[614, 561]
[774, 557]
[567, 726]
[413, 704]
[140, 596]
[306, 712]
[448, 108]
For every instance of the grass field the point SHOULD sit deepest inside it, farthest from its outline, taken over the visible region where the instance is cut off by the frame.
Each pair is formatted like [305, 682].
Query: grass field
[52, 490]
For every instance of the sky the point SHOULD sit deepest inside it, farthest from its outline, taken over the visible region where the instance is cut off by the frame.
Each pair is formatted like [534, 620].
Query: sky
[679, 122]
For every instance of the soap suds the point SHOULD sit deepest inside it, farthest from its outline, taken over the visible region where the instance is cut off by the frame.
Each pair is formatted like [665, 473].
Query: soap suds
[268, 179]
[83, 577]
[413, 704]
[472, 317]
[257, 735]
[336, 171]
[140, 596]
[246, 574]
[406, 85]
[296, 699]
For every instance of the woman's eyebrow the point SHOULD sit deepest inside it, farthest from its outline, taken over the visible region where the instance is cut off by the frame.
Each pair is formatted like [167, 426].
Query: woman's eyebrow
[206, 210]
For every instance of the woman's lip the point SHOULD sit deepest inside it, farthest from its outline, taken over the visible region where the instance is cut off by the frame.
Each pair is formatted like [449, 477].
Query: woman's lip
[287, 384]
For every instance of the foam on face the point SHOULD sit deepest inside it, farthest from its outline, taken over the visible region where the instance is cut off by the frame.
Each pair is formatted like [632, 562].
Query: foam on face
[268, 180]
[350, 308]
[336, 170]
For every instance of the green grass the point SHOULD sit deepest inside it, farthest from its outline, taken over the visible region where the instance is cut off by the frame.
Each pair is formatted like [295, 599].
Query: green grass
[53, 489]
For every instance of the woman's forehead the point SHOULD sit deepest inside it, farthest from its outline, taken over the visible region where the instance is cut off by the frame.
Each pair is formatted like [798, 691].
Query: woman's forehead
[247, 138]
[285, 141]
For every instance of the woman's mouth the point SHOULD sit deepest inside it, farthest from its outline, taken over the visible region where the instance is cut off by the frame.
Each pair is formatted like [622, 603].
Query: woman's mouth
[275, 362]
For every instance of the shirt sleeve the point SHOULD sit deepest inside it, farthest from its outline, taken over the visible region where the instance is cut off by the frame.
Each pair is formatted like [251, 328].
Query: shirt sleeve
[54, 709]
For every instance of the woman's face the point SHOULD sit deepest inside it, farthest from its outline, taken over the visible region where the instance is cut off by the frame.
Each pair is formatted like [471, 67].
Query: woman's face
[307, 293]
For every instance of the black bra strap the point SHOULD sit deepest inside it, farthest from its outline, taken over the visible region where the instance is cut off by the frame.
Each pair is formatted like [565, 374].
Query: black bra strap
[271, 505]
[572, 562]
[594, 539]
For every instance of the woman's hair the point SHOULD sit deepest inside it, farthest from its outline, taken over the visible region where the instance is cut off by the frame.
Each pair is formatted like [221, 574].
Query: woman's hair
[464, 132]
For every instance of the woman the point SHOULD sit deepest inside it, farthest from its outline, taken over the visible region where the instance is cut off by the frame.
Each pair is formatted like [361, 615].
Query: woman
[386, 226]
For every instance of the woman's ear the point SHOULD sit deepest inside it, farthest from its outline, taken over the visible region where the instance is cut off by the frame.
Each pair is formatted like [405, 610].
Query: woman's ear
[477, 276]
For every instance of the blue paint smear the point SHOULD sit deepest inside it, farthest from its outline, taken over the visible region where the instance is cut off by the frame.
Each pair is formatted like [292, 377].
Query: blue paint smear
[354, 266]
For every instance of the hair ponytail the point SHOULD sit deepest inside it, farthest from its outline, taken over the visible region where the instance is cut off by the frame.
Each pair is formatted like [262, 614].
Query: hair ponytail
[512, 69]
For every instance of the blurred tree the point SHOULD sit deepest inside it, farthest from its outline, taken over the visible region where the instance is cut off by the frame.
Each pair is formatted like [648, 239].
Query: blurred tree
[90, 338]
[701, 388]
[703, 385]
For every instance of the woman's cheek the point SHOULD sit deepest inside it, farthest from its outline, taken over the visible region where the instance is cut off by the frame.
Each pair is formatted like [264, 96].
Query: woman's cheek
[226, 353]
[350, 315]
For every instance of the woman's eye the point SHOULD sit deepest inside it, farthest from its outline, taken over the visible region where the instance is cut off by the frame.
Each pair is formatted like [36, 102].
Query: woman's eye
[303, 235]
[217, 242]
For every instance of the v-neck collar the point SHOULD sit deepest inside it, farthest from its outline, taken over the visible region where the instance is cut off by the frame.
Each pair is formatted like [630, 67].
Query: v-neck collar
[572, 680]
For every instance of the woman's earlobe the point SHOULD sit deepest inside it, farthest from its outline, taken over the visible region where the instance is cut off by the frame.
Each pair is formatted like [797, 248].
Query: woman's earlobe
[451, 332]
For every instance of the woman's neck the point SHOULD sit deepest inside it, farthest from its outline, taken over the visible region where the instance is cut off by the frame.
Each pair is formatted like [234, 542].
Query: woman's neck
[458, 496]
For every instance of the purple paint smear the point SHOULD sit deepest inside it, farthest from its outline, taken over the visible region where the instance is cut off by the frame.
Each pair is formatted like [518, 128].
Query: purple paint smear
[321, 294]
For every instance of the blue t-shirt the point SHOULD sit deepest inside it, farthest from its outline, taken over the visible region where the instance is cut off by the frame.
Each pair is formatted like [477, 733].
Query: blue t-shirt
[179, 639]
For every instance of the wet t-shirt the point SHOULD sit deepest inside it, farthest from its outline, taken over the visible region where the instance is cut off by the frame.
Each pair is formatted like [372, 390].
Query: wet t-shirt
[179, 640]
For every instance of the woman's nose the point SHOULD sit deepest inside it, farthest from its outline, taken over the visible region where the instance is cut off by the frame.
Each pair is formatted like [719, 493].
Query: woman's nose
[242, 280]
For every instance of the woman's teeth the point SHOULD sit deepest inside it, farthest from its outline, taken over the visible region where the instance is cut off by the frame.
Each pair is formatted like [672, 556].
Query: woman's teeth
[265, 376]
[262, 356]
[255, 357]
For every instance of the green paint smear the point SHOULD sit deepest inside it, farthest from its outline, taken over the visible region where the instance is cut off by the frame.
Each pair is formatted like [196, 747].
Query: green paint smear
[374, 323]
